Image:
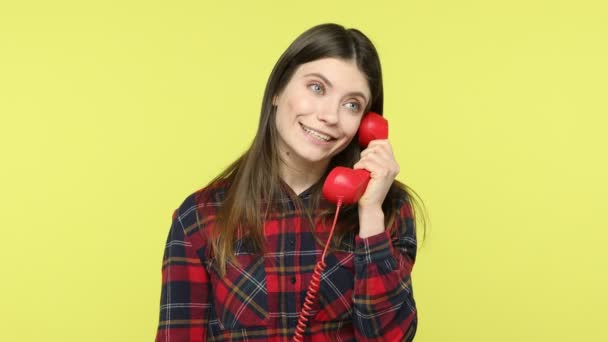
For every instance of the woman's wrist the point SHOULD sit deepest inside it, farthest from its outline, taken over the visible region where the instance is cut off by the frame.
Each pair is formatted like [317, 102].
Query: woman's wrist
[371, 221]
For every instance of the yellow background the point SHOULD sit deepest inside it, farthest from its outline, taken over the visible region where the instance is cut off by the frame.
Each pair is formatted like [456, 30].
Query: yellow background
[112, 112]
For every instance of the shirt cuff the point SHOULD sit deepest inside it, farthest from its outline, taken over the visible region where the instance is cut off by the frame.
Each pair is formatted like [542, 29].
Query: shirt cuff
[373, 248]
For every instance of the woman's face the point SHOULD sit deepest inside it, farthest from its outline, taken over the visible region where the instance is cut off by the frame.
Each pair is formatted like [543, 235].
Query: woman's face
[319, 111]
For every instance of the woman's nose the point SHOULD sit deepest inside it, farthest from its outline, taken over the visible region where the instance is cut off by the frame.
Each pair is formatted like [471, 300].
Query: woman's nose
[328, 114]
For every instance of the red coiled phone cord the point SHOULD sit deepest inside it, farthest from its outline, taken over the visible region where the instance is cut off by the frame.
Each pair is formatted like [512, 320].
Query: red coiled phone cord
[315, 283]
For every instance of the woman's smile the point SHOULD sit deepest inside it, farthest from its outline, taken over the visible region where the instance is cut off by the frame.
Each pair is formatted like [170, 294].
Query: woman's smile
[316, 136]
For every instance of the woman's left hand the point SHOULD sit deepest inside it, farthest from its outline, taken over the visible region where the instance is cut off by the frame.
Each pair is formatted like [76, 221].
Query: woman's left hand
[379, 160]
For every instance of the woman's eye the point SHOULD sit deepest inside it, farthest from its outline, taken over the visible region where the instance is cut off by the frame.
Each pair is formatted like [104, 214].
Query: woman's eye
[316, 87]
[355, 106]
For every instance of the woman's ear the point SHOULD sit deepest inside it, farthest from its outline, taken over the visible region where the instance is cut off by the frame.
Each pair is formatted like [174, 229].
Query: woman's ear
[275, 99]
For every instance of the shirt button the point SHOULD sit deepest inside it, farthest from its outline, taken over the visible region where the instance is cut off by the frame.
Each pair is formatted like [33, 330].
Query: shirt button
[292, 242]
[293, 280]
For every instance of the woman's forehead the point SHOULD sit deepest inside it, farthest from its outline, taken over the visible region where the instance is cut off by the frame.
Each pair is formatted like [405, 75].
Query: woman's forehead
[340, 73]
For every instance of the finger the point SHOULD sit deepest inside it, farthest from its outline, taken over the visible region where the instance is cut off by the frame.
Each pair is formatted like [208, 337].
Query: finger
[387, 162]
[377, 154]
[375, 168]
[382, 144]
[377, 148]
[382, 153]
[381, 157]
[379, 142]
[367, 151]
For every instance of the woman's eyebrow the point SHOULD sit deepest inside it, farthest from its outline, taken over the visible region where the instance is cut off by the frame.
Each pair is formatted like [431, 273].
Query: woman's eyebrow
[352, 93]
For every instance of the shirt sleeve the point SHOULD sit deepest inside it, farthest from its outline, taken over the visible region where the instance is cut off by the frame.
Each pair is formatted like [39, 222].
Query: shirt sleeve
[184, 301]
[384, 304]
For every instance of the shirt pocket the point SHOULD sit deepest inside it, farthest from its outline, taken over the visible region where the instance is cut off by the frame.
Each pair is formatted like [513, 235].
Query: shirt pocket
[240, 297]
[335, 300]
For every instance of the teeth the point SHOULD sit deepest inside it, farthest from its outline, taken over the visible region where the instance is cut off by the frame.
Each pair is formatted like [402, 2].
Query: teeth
[316, 134]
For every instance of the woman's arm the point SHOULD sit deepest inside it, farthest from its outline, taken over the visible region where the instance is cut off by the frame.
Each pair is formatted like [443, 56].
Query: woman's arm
[184, 301]
[385, 309]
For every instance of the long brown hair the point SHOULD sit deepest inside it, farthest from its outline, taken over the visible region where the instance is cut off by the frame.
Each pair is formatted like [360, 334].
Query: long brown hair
[253, 182]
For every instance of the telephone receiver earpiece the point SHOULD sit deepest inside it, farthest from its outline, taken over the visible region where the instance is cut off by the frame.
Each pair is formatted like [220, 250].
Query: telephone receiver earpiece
[348, 185]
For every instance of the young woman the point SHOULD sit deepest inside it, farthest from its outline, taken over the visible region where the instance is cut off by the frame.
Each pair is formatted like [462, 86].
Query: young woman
[241, 252]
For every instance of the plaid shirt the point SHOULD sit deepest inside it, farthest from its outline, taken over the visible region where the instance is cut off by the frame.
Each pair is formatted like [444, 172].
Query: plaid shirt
[366, 291]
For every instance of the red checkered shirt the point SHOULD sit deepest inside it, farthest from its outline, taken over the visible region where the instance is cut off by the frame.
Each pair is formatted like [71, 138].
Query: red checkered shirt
[366, 290]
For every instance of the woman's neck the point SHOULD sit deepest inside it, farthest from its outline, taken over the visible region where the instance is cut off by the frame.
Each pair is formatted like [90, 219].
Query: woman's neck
[300, 175]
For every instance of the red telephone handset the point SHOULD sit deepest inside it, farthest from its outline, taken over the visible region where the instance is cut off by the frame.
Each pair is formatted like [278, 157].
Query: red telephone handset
[343, 185]
[350, 184]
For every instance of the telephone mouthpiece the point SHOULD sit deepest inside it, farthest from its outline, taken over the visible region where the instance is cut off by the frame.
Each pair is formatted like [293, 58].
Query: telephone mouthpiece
[345, 184]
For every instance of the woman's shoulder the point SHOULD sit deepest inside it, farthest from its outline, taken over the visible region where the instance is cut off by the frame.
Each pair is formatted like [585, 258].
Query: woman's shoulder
[212, 194]
[198, 208]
